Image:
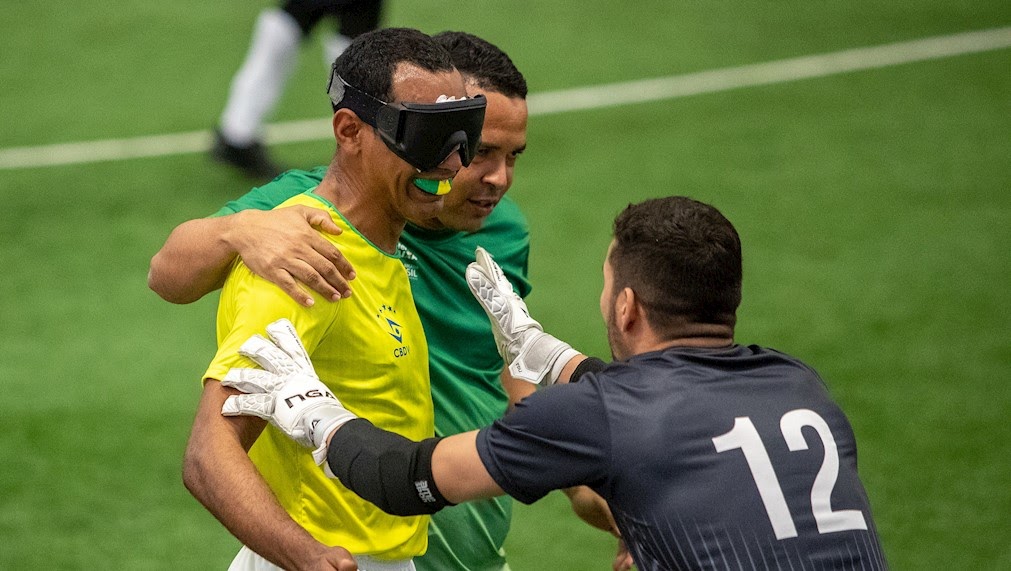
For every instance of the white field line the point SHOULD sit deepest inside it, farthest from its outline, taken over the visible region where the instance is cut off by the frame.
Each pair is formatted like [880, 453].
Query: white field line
[560, 101]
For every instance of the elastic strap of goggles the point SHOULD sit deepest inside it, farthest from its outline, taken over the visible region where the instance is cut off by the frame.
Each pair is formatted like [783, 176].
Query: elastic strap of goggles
[344, 95]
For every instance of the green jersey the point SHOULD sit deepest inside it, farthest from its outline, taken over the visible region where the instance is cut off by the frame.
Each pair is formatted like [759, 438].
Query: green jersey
[463, 361]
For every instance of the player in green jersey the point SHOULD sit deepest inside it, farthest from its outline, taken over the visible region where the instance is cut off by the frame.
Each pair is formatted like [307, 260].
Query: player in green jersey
[467, 392]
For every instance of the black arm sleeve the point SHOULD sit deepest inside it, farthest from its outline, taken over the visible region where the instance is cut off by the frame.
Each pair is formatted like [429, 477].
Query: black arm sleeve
[588, 365]
[392, 472]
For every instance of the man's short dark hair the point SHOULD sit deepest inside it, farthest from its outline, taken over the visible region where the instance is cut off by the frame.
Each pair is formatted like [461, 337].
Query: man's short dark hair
[682, 258]
[484, 63]
[369, 62]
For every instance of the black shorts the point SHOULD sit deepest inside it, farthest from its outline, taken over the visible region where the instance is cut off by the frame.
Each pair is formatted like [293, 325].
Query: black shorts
[355, 17]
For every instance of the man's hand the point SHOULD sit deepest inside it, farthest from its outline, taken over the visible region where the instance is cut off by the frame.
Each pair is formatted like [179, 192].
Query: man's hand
[287, 391]
[336, 559]
[592, 509]
[531, 354]
[283, 246]
[623, 559]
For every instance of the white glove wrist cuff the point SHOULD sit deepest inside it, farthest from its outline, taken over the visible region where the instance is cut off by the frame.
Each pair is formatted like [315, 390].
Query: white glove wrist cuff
[327, 471]
[322, 435]
[559, 364]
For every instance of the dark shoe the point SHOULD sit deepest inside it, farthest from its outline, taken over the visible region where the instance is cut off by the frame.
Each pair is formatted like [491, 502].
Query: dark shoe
[252, 160]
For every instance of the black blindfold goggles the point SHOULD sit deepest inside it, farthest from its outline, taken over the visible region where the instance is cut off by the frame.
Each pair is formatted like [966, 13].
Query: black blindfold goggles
[423, 134]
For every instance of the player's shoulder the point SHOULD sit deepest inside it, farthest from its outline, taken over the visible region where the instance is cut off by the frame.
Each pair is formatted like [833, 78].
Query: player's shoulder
[735, 355]
[293, 182]
[308, 198]
[784, 359]
[299, 177]
[286, 185]
[691, 364]
[353, 244]
[261, 301]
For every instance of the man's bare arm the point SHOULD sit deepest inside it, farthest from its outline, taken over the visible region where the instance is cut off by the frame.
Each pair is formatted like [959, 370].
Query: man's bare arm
[217, 471]
[399, 475]
[283, 246]
[516, 389]
[458, 471]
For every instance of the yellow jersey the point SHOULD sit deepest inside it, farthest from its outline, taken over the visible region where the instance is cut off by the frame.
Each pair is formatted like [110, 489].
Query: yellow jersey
[370, 350]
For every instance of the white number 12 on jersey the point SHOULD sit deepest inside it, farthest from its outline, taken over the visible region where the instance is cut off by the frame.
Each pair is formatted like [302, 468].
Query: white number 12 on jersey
[744, 436]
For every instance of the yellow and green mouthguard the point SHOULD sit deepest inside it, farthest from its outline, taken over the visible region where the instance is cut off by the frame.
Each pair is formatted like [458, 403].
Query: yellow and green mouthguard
[436, 187]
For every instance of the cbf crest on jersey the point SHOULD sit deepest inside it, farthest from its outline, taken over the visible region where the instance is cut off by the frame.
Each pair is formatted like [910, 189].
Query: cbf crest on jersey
[388, 321]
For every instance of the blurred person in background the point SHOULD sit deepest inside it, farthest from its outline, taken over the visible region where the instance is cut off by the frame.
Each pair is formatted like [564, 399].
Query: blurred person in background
[272, 56]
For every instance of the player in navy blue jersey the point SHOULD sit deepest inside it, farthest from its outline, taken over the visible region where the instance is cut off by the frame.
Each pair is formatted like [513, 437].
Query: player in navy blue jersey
[710, 454]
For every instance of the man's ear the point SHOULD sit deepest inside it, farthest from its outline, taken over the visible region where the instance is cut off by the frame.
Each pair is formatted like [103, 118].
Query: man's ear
[627, 309]
[348, 130]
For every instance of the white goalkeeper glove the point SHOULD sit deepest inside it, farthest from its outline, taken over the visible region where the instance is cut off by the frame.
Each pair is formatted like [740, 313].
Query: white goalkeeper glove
[531, 354]
[287, 392]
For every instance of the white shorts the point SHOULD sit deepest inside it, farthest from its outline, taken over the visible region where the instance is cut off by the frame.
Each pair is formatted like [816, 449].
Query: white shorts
[249, 560]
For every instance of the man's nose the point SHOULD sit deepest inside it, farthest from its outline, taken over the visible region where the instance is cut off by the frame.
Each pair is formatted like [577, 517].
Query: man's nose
[498, 176]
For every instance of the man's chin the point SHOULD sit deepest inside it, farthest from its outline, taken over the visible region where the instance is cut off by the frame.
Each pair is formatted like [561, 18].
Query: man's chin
[432, 223]
[425, 209]
[449, 218]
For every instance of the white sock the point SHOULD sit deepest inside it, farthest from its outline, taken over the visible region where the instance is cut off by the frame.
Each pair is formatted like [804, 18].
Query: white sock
[333, 46]
[260, 81]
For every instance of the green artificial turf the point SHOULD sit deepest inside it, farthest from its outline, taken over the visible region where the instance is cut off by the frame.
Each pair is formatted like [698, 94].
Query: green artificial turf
[873, 207]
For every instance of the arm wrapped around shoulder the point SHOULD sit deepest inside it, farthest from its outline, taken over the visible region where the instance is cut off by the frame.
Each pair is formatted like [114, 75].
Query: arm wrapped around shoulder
[392, 472]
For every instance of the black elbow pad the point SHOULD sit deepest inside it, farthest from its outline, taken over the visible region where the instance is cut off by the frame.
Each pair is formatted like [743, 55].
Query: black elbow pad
[588, 365]
[386, 469]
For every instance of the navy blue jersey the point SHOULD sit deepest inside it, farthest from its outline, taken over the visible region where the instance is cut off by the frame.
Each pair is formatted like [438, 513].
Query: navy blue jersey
[733, 458]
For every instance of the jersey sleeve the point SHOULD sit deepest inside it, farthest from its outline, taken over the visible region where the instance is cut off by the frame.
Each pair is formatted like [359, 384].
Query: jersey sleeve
[248, 304]
[556, 438]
